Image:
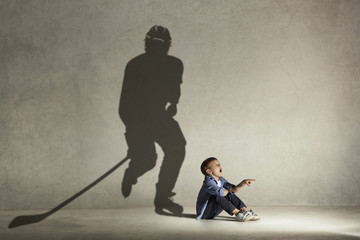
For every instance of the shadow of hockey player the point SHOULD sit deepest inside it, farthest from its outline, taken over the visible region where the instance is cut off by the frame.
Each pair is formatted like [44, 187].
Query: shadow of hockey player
[148, 103]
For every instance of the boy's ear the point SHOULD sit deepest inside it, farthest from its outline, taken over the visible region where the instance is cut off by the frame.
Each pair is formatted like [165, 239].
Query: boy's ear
[208, 171]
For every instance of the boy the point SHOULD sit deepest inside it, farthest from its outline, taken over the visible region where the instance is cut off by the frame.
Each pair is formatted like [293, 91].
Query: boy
[217, 194]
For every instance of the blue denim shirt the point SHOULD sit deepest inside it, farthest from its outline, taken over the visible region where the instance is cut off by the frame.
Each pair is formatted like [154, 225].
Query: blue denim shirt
[209, 188]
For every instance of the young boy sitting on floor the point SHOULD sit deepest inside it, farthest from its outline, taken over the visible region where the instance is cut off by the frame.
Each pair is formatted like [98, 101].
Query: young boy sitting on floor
[217, 194]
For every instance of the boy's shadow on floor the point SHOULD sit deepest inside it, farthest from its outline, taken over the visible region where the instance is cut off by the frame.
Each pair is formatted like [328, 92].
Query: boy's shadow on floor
[223, 218]
[193, 216]
[182, 215]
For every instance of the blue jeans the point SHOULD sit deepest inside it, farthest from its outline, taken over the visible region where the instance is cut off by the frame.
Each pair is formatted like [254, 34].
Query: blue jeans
[217, 204]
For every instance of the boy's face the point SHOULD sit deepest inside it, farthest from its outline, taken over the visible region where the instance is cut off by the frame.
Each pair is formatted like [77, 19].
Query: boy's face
[215, 170]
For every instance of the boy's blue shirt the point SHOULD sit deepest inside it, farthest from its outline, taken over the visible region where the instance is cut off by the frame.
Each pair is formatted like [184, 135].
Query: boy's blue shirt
[209, 188]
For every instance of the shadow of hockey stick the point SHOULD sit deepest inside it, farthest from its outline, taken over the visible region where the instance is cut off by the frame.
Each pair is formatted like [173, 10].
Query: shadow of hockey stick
[29, 219]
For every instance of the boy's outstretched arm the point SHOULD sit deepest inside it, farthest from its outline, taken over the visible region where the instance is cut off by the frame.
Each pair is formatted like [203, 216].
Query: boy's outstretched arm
[241, 184]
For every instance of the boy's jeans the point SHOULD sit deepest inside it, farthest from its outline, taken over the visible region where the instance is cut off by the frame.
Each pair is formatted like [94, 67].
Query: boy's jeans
[217, 204]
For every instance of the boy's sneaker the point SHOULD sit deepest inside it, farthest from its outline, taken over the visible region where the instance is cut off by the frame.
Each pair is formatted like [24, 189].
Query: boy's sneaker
[243, 216]
[255, 217]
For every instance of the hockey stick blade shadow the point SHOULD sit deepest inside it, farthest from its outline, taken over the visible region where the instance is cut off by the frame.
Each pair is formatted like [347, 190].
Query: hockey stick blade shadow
[29, 219]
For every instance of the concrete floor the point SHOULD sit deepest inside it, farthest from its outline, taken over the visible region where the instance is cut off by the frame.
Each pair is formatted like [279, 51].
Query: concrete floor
[277, 223]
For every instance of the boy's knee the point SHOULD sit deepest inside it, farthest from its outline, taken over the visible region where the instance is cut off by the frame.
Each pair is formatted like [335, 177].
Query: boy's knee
[218, 198]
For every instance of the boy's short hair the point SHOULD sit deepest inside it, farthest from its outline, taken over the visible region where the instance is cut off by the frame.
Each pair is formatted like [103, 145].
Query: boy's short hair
[206, 164]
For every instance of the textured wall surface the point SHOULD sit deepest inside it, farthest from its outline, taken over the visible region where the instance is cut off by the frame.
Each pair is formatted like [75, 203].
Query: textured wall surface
[271, 88]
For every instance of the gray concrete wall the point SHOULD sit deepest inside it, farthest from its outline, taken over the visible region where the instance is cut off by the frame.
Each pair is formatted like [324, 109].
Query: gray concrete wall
[271, 88]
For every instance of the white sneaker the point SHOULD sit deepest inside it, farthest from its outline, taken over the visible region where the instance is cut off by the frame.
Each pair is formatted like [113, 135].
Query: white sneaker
[255, 217]
[243, 216]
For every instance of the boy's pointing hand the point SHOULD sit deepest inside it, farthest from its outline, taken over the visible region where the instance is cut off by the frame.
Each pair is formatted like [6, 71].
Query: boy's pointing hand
[243, 183]
[248, 181]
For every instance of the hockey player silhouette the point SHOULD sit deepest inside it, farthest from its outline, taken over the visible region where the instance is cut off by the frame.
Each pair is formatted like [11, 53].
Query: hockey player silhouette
[148, 103]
